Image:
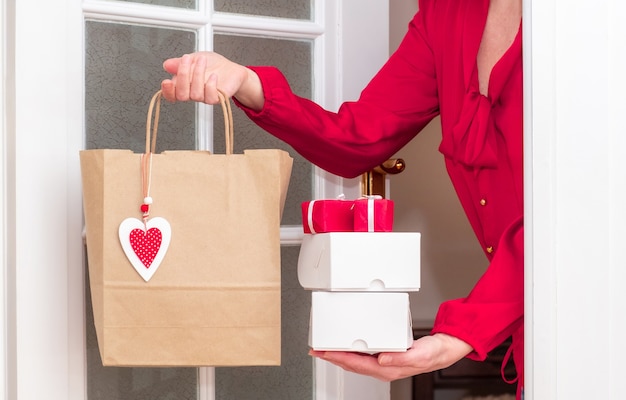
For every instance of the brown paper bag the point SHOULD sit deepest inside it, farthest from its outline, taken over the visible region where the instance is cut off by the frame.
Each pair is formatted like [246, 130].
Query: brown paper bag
[214, 299]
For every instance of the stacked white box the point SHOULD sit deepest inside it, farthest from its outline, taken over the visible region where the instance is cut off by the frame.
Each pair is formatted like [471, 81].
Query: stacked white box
[360, 283]
[360, 261]
[367, 322]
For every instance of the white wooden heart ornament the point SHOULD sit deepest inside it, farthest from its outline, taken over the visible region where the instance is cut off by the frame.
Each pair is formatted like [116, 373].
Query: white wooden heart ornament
[145, 245]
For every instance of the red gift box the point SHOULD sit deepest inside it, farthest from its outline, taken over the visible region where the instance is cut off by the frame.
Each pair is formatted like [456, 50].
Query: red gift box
[320, 216]
[373, 214]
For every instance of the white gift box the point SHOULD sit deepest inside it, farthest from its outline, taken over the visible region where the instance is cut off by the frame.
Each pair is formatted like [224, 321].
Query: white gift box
[360, 261]
[366, 322]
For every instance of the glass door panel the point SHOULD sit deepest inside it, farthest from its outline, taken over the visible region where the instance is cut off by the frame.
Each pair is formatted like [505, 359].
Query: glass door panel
[296, 9]
[294, 59]
[123, 69]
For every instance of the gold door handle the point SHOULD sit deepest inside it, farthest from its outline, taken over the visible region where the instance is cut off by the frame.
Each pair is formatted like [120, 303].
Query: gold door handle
[373, 182]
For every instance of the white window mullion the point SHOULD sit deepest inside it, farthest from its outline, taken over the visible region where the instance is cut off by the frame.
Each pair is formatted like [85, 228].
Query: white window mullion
[204, 135]
[204, 138]
[266, 26]
[206, 383]
[144, 14]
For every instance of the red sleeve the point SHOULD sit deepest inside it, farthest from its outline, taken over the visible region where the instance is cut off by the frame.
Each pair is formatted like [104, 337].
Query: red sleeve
[399, 101]
[494, 309]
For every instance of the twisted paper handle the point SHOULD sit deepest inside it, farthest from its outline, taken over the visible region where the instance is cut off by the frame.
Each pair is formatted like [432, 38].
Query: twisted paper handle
[229, 133]
[152, 127]
[154, 111]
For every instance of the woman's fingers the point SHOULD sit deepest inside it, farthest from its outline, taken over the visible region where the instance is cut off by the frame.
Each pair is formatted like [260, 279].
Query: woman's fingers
[197, 82]
[196, 77]
[183, 78]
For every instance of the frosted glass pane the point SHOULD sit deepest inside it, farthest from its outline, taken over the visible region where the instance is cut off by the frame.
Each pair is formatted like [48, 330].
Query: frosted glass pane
[188, 4]
[294, 59]
[294, 378]
[123, 69]
[296, 9]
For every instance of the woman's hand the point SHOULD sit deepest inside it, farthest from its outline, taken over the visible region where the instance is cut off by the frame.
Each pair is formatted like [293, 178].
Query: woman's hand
[428, 353]
[198, 77]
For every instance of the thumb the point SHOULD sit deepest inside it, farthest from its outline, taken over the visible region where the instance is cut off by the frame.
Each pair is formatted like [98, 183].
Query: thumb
[393, 359]
[385, 359]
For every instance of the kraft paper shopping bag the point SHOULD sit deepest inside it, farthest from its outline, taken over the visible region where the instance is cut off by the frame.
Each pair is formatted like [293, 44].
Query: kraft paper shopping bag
[184, 252]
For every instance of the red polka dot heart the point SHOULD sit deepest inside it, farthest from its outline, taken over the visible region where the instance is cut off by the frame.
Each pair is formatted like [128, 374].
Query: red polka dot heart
[145, 245]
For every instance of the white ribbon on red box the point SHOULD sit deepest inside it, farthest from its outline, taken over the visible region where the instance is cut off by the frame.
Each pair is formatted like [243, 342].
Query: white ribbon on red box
[310, 217]
[309, 214]
[370, 210]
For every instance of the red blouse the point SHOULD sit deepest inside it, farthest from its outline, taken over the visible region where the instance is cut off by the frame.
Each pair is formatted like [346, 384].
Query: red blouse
[434, 72]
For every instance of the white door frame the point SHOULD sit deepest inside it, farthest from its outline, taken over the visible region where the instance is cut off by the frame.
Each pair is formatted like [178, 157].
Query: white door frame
[575, 58]
[41, 239]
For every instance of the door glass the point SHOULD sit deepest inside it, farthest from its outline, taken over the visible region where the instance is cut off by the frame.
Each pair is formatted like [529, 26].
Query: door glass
[294, 59]
[188, 4]
[296, 9]
[294, 378]
[123, 69]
